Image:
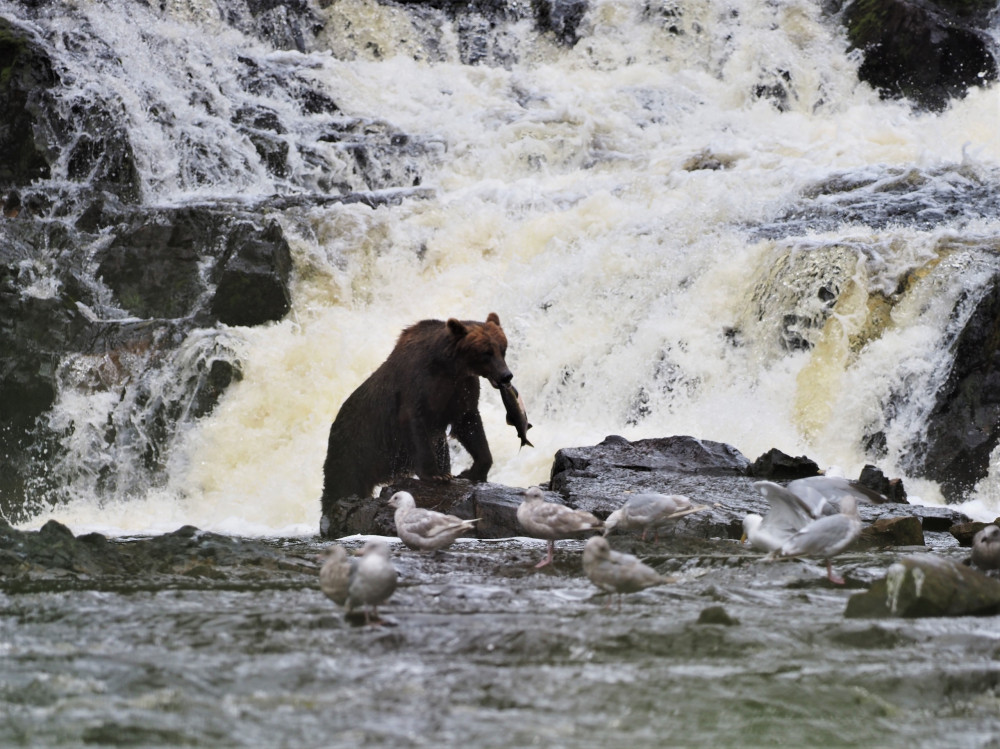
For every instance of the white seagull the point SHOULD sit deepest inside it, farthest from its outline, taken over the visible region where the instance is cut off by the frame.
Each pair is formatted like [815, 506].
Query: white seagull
[794, 506]
[825, 537]
[617, 572]
[553, 521]
[363, 581]
[422, 529]
[650, 511]
[986, 548]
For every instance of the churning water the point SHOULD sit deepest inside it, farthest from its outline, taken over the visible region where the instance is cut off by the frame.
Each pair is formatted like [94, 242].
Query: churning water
[658, 214]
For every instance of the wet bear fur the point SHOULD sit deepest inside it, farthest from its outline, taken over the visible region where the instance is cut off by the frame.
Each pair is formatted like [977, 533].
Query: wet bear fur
[396, 423]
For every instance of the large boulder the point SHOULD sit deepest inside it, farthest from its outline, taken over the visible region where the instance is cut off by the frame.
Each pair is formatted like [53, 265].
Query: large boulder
[963, 429]
[25, 74]
[927, 51]
[927, 585]
[206, 263]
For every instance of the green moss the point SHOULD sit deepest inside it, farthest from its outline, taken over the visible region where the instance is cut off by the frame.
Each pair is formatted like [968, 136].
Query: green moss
[12, 48]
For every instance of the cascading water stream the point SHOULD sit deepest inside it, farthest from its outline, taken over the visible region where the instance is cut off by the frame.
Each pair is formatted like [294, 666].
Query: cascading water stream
[690, 222]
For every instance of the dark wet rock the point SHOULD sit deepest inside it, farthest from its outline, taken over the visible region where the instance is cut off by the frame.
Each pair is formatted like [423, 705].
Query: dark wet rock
[561, 17]
[204, 262]
[253, 285]
[284, 24]
[775, 465]
[54, 552]
[164, 280]
[25, 74]
[876, 480]
[932, 518]
[85, 142]
[907, 196]
[963, 428]
[927, 585]
[869, 637]
[484, 27]
[897, 531]
[963, 532]
[716, 615]
[928, 52]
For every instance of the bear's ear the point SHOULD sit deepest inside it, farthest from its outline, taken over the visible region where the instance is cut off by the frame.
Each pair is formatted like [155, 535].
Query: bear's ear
[494, 318]
[456, 328]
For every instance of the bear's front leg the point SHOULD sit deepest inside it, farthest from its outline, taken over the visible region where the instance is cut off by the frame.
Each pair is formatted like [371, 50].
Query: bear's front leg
[470, 434]
[429, 451]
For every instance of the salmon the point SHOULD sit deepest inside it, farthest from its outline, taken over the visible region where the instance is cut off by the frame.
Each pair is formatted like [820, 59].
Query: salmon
[517, 417]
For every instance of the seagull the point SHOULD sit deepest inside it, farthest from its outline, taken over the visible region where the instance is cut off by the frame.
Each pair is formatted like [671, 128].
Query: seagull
[335, 574]
[825, 537]
[425, 530]
[361, 582]
[552, 521]
[986, 548]
[617, 572]
[794, 506]
[650, 511]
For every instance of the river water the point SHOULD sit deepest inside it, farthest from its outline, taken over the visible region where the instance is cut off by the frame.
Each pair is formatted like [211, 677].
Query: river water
[479, 649]
[654, 213]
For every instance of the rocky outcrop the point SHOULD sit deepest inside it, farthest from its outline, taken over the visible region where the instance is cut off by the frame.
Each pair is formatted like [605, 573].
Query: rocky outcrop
[85, 141]
[600, 478]
[963, 429]
[141, 564]
[25, 74]
[165, 280]
[928, 52]
[209, 264]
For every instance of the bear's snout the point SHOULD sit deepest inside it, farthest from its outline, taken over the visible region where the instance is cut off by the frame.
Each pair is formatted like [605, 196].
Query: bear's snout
[502, 379]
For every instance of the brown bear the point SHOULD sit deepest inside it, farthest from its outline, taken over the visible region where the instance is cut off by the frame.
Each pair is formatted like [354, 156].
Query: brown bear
[395, 424]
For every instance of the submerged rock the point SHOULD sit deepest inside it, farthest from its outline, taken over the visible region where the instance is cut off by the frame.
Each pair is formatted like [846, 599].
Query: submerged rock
[716, 615]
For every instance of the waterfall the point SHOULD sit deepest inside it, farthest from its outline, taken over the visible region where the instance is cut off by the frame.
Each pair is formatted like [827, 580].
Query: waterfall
[693, 220]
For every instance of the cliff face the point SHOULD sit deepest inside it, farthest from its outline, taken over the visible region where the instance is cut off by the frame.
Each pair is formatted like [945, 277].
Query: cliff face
[92, 278]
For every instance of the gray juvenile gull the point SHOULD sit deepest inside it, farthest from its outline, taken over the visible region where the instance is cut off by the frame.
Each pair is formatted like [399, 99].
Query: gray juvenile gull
[552, 521]
[335, 574]
[363, 581]
[825, 537]
[986, 548]
[650, 511]
[794, 506]
[617, 572]
[425, 530]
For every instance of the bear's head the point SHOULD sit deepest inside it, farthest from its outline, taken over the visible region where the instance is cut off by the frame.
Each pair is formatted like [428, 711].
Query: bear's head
[483, 347]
